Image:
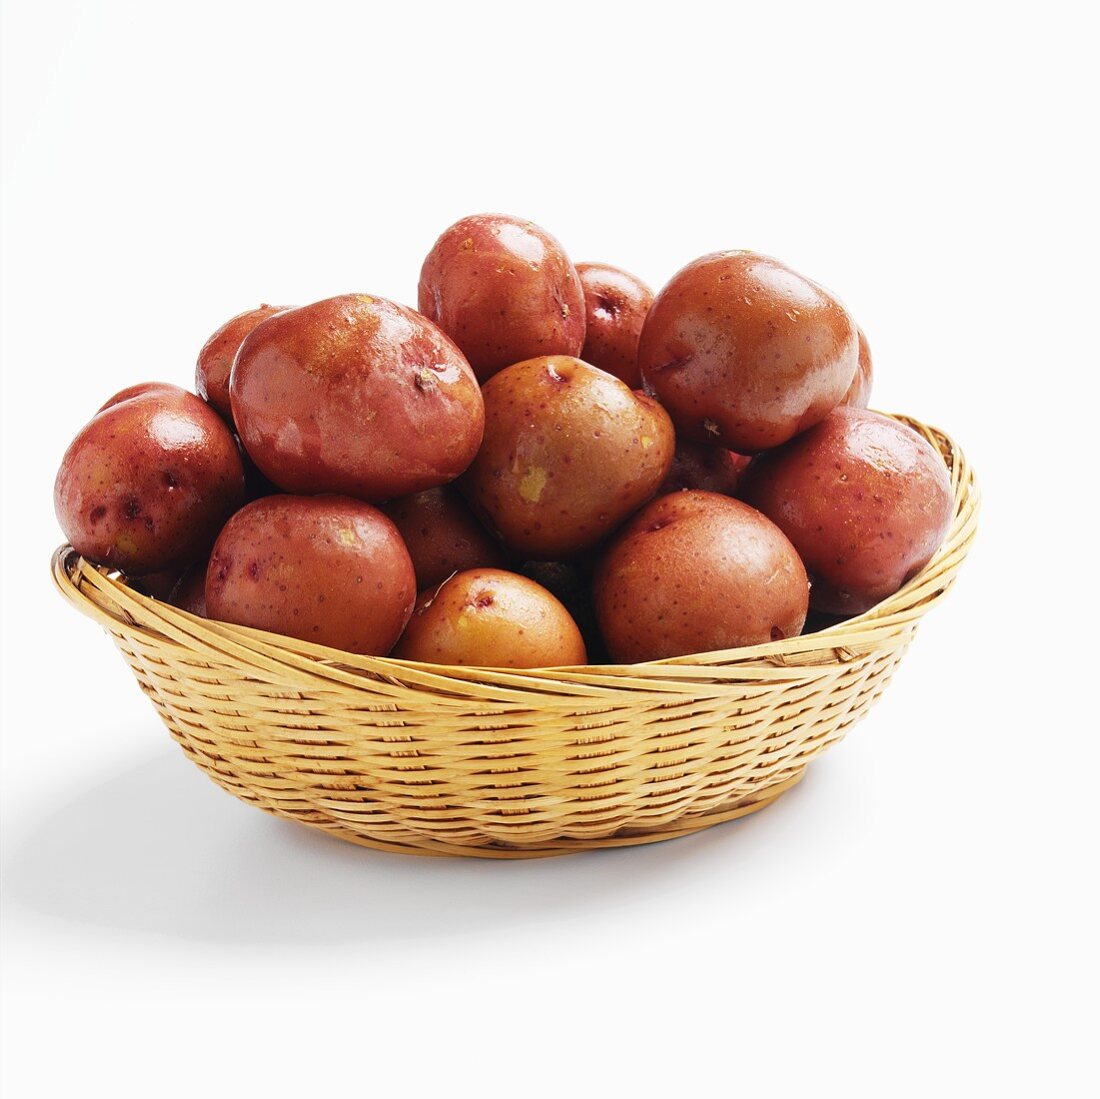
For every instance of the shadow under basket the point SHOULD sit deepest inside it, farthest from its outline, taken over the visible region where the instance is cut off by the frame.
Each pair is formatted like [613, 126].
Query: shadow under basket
[439, 760]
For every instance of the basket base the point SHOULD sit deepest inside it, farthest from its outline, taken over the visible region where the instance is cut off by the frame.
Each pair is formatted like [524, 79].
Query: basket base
[685, 826]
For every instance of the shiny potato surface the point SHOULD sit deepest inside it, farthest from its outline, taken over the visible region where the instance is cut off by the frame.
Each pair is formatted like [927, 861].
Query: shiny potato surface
[147, 484]
[327, 569]
[569, 453]
[504, 290]
[491, 618]
[693, 572]
[216, 357]
[746, 353]
[355, 395]
[616, 304]
[865, 500]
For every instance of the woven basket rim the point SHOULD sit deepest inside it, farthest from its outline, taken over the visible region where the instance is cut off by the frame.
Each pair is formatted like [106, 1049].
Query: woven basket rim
[100, 593]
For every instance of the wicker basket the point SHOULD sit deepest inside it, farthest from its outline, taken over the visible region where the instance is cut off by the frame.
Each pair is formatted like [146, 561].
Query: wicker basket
[436, 760]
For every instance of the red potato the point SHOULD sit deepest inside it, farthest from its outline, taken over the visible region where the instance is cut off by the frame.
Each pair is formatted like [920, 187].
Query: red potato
[147, 484]
[569, 453]
[859, 392]
[216, 357]
[745, 353]
[326, 569]
[615, 307]
[865, 500]
[504, 290]
[139, 390]
[710, 468]
[442, 535]
[694, 572]
[489, 618]
[355, 395]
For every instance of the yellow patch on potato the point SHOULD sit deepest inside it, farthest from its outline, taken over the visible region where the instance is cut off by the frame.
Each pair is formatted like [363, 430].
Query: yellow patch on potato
[531, 484]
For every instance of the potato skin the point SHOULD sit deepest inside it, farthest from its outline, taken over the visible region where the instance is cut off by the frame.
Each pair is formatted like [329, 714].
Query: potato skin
[709, 468]
[865, 500]
[569, 453]
[355, 395]
[746, 353]
[694, 572]
[489, 618]
[139, 390]
[442, 535]
[859, 392]
[326, 569]
[615, 307]
[504, 290]
[147, 484]
[216, 357]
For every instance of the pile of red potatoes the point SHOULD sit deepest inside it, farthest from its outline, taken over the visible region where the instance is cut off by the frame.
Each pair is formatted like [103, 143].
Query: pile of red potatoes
[543, 465]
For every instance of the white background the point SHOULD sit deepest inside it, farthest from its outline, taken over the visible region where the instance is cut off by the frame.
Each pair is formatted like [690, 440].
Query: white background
[919, 917]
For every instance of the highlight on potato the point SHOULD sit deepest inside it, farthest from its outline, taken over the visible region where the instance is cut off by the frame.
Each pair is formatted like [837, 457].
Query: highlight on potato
[563, 465]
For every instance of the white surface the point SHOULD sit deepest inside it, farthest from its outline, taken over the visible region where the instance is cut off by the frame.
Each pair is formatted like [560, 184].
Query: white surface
[919, 917]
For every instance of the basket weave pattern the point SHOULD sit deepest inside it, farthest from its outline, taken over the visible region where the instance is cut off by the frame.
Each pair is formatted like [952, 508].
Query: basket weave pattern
[447, 760]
